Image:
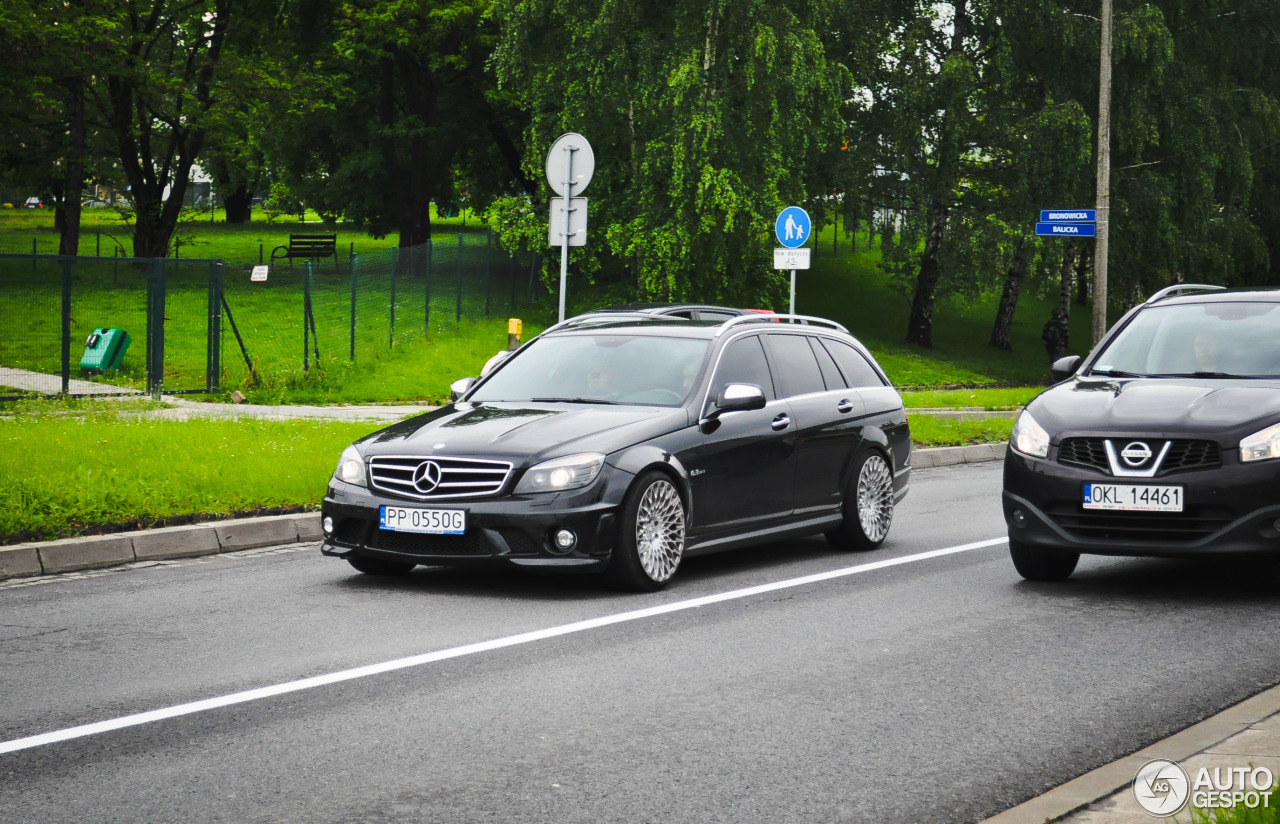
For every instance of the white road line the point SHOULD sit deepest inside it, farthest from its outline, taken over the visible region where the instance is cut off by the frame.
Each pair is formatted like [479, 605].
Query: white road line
[138, 719]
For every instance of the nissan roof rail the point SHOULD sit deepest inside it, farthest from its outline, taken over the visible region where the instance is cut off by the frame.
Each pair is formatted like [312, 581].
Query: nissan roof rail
[1182, 289]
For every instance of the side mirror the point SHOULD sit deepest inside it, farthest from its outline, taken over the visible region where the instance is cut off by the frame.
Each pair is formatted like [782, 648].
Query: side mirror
[459, 388]
[734, 397]
[740, 396]
[1064, 368]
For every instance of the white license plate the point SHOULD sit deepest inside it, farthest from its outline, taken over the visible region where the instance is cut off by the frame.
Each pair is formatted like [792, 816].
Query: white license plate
[427, 521]
[1132, 498]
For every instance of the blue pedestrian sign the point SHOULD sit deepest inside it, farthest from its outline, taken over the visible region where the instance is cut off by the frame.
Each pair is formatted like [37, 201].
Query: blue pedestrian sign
[1067, 229]
[792, 227]
[1069, 215]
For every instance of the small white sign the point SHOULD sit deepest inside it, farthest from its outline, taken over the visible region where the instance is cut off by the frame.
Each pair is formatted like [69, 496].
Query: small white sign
[791, 258]
[577, 222]
[260, 274]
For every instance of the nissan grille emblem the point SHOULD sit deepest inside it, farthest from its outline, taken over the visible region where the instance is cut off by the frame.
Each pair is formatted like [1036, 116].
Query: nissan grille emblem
[1136, 453]
[426, 477]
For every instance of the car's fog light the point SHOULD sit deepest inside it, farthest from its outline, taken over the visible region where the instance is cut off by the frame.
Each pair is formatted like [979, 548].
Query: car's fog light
[327, 525]
[565, 540]
[1019, 518]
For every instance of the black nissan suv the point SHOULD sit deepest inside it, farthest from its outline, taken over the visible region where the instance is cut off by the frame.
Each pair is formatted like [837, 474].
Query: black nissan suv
[1164, 441]
[621, 443]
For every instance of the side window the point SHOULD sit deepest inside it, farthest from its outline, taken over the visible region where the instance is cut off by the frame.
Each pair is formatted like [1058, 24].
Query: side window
[707, 314]
[853, 365]
[798, 372]
[830, 373]
[743, 362]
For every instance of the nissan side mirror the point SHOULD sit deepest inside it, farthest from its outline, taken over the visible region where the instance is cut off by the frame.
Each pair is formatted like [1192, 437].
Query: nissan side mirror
[1064, 368]
[459, 388]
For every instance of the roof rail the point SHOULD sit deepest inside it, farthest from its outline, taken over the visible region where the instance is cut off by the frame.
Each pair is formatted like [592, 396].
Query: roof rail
[1181, 289]
[756, 317]
[594, 318]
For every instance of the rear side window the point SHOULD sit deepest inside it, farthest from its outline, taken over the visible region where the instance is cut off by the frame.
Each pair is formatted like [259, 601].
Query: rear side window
[798, 372]
[830, 373]
[706, 314]
[744, 362]
[857, 372]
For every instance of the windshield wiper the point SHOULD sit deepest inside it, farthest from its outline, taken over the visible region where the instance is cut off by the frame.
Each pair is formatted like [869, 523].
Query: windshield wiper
[1115, 373]
[1205, 375]
[574, 400]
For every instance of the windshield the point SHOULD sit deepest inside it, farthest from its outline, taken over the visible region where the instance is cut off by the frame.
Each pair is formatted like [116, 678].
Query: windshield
[1197, 340]
[599, 368]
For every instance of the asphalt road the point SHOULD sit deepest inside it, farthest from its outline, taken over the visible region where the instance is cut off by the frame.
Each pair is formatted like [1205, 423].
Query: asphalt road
[939, 689]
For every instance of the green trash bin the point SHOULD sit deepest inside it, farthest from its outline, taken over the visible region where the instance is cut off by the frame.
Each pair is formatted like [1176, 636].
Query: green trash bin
[104, 349]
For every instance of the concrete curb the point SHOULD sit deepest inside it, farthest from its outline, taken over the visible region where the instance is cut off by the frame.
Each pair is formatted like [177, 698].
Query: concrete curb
[98, 551]
[212, 538]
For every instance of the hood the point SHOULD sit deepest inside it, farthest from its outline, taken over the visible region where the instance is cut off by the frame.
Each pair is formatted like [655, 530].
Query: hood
[1215, 409]
[524, 433]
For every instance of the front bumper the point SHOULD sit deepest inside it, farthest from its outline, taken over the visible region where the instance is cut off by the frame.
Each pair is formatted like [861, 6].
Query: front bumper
[1233, 508]
[504, 531]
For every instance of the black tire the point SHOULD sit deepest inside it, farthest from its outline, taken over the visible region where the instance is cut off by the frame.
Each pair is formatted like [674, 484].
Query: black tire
[650, 541]
[868, 505]
[1042, 563]
[377, 566]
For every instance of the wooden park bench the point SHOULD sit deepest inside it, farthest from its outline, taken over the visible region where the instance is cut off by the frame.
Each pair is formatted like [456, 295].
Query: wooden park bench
[307, 247]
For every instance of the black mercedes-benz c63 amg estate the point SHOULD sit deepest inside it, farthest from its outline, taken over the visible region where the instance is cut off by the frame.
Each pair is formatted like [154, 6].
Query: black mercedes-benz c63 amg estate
[623, 443]
[1164, 441]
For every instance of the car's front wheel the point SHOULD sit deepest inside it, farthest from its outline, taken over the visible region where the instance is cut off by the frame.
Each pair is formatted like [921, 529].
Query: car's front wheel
[650, 539]
[868, 505]
[377, 566]
[1042, 563]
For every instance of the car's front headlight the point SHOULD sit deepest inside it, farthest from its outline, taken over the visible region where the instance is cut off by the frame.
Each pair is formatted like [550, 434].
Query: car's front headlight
[350, 467]
[1261, 446]
[1029, 437]
[569, 472]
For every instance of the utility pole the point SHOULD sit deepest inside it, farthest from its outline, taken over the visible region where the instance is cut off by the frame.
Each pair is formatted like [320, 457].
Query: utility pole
[1104, 180]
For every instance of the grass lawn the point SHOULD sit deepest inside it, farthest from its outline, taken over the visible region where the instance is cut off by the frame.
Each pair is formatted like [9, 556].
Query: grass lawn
[106, 466]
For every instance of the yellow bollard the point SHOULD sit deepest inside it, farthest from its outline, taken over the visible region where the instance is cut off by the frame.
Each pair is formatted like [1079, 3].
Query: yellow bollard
[514, 328]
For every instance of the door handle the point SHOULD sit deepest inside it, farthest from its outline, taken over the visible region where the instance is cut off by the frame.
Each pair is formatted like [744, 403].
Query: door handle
[780, 423]
[844, 406]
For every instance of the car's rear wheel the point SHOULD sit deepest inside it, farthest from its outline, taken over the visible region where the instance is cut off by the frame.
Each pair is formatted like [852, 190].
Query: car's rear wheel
[650, 539]
[868, 505]
[1042, 563]
[377, 566]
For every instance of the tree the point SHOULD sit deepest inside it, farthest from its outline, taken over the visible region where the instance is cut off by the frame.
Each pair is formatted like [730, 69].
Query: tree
[705, 119]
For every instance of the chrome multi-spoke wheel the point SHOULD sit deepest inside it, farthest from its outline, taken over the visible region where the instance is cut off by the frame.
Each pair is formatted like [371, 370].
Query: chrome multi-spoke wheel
[650, 540]
[875, 498]
[868, 504]
[660, 531]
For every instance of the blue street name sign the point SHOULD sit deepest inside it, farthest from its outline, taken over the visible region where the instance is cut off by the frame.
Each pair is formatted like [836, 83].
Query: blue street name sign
[792, 227]
[1067, 229]
[1065, 215]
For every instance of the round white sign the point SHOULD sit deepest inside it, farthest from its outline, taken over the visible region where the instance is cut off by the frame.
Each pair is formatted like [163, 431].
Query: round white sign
[570, 155]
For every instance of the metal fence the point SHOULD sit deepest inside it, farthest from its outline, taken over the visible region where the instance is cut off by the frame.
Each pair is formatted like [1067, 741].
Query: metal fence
[199, 326]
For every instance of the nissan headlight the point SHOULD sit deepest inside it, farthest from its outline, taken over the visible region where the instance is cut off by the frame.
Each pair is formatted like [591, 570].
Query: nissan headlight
[1029, 437]
[350, 467]
[1261, 446]
[569, 472]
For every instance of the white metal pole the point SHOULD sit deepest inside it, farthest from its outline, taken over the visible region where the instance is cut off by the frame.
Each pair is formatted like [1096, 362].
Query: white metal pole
[793, 292]
[564, 238]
